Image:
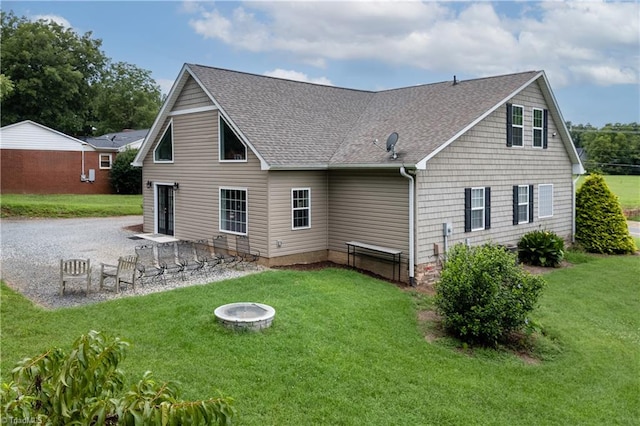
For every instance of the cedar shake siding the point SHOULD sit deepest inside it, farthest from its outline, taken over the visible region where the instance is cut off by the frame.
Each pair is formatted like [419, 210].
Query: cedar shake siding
[481, 158]
[51, 172]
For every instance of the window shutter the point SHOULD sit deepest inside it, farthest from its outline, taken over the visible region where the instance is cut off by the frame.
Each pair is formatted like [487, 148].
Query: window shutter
[487, 208]
[509, 126]
[545, 128]
[515, 204]
[530, 203]
[467, 210]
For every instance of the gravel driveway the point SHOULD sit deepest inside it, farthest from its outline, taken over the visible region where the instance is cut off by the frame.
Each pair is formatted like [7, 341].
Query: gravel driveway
[31, 250]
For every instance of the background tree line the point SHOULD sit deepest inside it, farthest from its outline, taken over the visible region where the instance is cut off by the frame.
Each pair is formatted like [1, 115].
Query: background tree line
[54, 76]
[613, 149]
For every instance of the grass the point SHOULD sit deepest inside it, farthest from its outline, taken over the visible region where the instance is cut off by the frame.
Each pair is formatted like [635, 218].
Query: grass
[70, 205]
[348, 349]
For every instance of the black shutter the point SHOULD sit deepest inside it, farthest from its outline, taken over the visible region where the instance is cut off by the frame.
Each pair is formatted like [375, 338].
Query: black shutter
[509, 126]
[467, 210]
[530, 203]
[545, 128]
[515, 205]
[487, 208]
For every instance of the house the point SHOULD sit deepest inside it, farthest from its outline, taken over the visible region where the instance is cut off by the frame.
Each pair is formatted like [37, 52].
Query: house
[302, 169]
[119, 141]
[36, 159]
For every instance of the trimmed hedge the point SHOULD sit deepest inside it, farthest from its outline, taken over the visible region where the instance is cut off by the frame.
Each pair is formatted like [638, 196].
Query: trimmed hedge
[600, 223]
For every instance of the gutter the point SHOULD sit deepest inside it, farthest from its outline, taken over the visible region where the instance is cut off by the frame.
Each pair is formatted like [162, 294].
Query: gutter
[403, 172]
[573, 209]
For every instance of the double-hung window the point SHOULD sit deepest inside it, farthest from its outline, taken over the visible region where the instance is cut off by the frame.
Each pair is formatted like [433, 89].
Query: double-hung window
[300, 208]
[538, 120]
[477, 206]
[545, 200]
[105, 161]
[233, 210]
[522, 204]
[515, 125]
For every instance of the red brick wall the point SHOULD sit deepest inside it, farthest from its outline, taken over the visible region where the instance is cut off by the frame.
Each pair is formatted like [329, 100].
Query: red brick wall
[50, 172]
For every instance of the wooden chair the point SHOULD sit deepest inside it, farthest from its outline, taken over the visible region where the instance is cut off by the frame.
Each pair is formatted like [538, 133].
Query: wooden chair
[124, 272]
[74, 270]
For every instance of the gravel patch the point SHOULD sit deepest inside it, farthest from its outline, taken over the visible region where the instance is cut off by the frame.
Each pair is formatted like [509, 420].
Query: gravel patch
[31, 250]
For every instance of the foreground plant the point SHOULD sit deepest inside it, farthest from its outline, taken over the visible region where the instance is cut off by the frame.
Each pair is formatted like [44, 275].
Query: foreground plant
[86, 387]
[541, 248]
[483, 295]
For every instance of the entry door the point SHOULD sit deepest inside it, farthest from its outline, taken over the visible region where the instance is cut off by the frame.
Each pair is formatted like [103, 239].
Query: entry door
[165, 209]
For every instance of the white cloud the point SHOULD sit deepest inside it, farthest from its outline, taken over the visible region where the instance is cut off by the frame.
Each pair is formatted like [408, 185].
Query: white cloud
[297, 76]
[52, 18]
[575, 42]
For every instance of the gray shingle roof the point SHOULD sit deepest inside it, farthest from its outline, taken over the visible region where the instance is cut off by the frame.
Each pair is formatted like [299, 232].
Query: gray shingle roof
[293, 123]
[118, 139]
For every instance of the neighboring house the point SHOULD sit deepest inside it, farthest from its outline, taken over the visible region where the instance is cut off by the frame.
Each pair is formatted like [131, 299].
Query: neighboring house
[302, 168]
[127, 139]
[35, 159]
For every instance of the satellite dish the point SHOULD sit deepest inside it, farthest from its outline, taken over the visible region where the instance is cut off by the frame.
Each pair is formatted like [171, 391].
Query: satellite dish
[391, 144]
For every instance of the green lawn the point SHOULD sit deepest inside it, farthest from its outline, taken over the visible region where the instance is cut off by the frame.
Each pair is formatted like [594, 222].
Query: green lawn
[70, 205]
[348, 349]
[627, 188]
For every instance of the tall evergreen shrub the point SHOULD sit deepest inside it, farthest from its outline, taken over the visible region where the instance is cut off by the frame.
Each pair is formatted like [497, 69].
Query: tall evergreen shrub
[600, 223]
[124, 178]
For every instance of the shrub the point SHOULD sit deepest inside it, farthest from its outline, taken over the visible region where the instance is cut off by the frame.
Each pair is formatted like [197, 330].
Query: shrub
[483, 295]
[541, 248]
[86, 387]
[123, 177]
[600, 223]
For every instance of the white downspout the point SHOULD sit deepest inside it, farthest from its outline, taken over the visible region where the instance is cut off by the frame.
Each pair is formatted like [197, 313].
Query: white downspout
[404, 173]
[573, 208]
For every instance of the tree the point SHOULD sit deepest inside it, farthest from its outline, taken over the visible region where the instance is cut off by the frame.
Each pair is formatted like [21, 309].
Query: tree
[53, 70]
[124, 178]
[600, 223]
[6, 87]
[86, 387]
[128, 98]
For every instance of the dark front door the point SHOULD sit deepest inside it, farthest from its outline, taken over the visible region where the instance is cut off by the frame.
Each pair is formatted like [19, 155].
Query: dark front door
[165, 209]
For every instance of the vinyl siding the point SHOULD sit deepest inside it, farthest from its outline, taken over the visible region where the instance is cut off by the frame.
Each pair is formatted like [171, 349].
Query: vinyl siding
[368, 206]
[480, 158]
[29, 136]
[191, 96]
[200, 175]
[299, 240]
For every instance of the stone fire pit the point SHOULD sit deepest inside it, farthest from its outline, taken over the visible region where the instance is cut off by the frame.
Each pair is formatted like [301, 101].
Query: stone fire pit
[245, 315]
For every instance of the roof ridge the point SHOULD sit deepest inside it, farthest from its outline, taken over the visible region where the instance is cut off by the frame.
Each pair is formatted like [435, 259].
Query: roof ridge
[281, 78]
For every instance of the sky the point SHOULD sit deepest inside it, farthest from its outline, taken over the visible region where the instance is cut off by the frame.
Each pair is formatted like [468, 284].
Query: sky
[589, 50]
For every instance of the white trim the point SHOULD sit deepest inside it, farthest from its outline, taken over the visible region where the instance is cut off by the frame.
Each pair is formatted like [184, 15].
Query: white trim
[484, 206]
[523, 204]
[308, 208]
[220, 154]
[100, 161]
[534, 128]
[246, 222]
[515, 126]
[540, 203]
[169, 126]
[422, 164]
[193, 110]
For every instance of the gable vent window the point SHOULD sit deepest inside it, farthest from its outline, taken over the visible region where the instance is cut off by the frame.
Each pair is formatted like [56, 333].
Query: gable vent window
[231, 147]
[540, 127]
[477, 209]
[522, 204]
[164, 149]
[515, 125]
